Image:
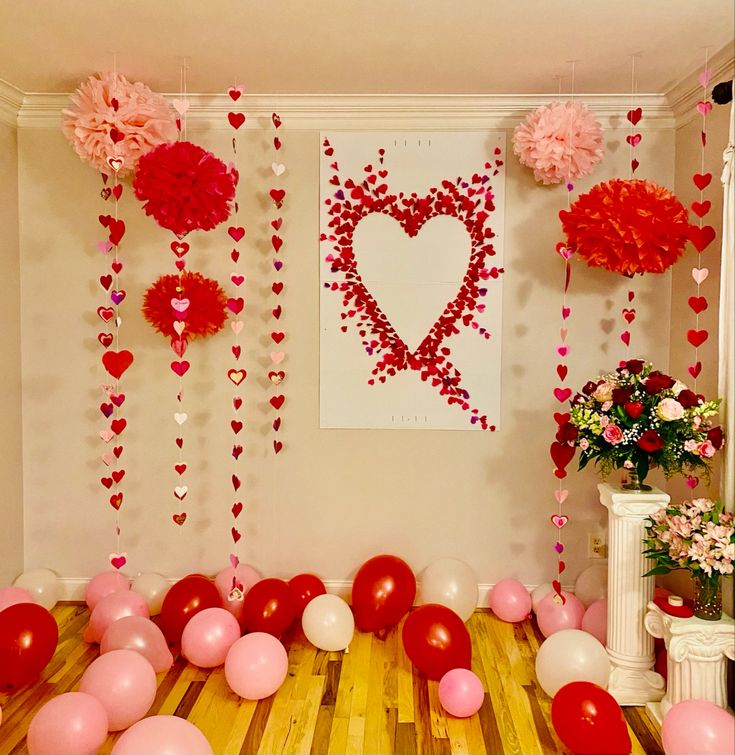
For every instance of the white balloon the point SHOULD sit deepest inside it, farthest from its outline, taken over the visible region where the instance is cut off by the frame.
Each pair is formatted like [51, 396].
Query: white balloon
[42, 584]
[153, 587]
[539, 594]
[591, 584]
[328, 622]
[571, 655]
[451, 583]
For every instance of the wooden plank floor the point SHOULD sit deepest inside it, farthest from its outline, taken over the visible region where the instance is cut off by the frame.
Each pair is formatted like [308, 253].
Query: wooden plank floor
[369, 700]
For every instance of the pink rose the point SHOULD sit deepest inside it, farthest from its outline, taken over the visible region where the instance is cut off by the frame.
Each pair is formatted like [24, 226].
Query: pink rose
[613, 435]
[706, 450]
[670, 410]
[604, 420]
[690, 445]
[603, 392]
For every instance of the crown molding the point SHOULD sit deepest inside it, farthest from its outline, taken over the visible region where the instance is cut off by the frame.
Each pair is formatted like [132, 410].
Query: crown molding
[685, 94]
[314, 112]
[11, 101]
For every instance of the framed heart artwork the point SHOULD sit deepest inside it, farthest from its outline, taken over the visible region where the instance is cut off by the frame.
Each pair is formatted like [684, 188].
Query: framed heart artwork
[411, 279]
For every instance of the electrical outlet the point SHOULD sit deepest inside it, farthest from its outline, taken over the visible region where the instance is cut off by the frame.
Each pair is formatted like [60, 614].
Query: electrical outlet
[596, 547]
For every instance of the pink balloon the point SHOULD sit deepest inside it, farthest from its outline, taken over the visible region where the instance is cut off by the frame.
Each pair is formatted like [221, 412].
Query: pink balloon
[510, 601]
[208, 636]
[139, 634]
[553, 617]
[256, 666]
[70, 723]
[125, 683]
[246, 576]
[698, 726]
[461, 693]
[162, 735]
[104, 584]
[112, 607]
[10, 596]
[594, 620]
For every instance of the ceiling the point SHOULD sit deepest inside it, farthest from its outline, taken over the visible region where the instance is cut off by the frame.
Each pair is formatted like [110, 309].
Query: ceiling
[371, 47]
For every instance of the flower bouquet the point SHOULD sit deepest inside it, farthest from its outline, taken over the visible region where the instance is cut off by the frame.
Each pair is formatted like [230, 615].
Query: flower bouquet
[638, 418]
[700, 537]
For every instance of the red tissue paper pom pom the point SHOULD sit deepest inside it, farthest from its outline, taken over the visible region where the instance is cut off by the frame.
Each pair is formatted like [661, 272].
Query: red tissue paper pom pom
[205, 314]
[627, 227]
[185, 188]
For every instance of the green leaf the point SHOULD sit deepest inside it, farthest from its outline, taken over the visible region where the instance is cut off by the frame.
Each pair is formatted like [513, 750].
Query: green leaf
[658, 570]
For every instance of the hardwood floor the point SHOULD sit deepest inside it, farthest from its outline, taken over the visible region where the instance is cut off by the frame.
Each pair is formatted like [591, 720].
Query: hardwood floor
[369, 700]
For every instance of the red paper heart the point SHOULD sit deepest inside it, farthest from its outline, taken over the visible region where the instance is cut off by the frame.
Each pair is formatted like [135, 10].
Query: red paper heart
[118, 560]
[561, 454]
[625, 337]
[562, 419]
[235, 534]
[277, 401]
[235, 92]
[237, 232]
[117, 191]
[107, 409]
[695, 369]
[118, 474]
[634, 165]
[236, 451]
[117, 451]
[236, 482]
[701, 180]
[629, 315]
[105, 339]
[277, 446]
[107, 482]
[277, 424]
[236, 351]
[117, 266]
[277, 145]
[236, 402]
[117, 231]
[117, 398]
[557, 588]
[700, 209]
[277, 195]
[277, 377]
[236, 426]
[236, 119]
[180, 368]
[561, 371]
[697, 337]
[277, 287]
[116, 501]
[106, 281]
[116, 362]
[562, 394]
[179, 518]
[235, 305]
[633, 139]
[179, 248]
[561, 566]
[106, 313]
[180, 468]
[276, 243]
[237, 376]
[701, 237]
[118, 425]
[634, 115]
[278, 336]
[276, 312]
[238, 280]
[236, 509]
[277, 223]
[698, 303]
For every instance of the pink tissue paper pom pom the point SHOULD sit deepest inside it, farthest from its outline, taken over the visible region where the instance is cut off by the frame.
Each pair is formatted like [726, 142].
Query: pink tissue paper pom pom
[112, 117]
[561, 141]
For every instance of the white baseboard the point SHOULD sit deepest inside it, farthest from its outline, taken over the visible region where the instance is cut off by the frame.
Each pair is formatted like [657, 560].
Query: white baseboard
[72, 589]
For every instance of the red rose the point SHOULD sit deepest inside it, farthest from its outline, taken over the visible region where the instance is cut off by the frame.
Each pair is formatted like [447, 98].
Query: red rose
[634, 366]
[621, 396]
[688, 398]
[716, 437]
[589, 387]
[566, 432]
[650, 442]
[657, 382]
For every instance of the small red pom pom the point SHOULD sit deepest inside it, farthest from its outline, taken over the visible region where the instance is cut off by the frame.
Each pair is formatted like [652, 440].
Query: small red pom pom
[627, 227]
[205, 314]
[184, 187]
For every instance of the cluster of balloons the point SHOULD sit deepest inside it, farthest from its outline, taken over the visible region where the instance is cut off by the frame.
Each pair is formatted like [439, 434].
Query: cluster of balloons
[28, 632]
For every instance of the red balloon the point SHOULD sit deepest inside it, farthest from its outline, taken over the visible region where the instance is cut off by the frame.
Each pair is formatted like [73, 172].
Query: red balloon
[268, 607]
[436, 640]
[305, 587]
[28, 638]
[589, 720]
[383, 591]
[184, 600]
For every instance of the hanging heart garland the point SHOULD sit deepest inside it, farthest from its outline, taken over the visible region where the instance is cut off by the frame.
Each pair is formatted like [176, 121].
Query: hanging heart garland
[700, 236]
[277, 195]
[235, 306]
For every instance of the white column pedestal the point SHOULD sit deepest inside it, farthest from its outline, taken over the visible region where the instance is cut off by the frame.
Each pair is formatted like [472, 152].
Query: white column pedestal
[629, 646]
[696, 652]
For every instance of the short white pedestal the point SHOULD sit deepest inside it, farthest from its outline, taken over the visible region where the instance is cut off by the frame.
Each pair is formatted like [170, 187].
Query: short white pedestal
[632, 678]
[696, 652]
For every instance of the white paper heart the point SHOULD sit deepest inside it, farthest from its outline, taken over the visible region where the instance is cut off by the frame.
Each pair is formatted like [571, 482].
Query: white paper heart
[179, 326]
[278, 168]
[700, 274]
[181, 417]
[561, 496]
[107, 435]
[180, 491]
[180, 106]
[236, 326]
[277, 356]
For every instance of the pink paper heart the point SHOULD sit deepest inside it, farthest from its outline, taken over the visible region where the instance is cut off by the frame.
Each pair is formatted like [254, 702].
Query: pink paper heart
[704, 77]
[104, 246]
[692, 482]
[559, 547]
[277, 356]
[234, 560]
[180, 106]
[108, 458]
[107, 435]
[700, 274]
[704, 107]
[236, 326]
[180, 305]
[563, 333]
[564, 251]
[565, 312]
[562, 394]
[118, 560]
[562, 350]
[561, 496]
[559, 520]
[179, 326]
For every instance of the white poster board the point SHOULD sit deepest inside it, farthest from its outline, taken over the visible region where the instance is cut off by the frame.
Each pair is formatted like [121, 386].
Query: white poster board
[414, 263]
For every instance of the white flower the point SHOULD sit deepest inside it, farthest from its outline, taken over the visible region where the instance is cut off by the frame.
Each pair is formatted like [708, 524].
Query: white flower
[670, 410]
[603, 392]
[584, 444]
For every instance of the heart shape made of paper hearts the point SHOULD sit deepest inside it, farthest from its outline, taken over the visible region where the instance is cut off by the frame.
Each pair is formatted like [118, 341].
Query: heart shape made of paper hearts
[117, 362]
[470, 203]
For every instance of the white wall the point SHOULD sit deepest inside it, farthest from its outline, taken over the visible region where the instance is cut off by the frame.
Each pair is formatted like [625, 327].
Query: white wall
[11, 474]
[332, 498]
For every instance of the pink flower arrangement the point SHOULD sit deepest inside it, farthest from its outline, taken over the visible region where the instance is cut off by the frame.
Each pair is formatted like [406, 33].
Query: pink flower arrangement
[112, 118]
[561, 141]
[696, 535]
